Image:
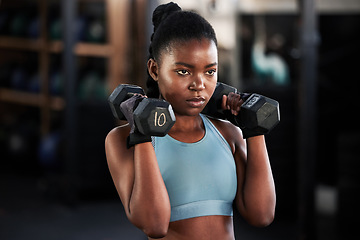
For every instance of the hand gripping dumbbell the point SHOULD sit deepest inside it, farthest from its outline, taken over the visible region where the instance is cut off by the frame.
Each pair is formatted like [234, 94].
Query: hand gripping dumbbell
[152, 117]
[258, 113]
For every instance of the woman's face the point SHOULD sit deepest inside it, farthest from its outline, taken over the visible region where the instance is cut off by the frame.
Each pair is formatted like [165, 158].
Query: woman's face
[187, 75]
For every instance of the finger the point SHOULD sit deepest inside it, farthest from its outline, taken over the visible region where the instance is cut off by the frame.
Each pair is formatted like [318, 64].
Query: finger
[234, 101]
[229, 102]
[224, 104]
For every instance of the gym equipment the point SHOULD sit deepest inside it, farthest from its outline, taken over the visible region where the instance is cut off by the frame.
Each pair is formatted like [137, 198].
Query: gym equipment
[49, 150]
[152, 117]
[81, 24]
[19, 24]
[19, 78]
[33, 30]
[258, 113]
[56, 85]
[120, 94]
[95, 31]
[92, 86]
[34, 83]
[270, 66]
[55, 29]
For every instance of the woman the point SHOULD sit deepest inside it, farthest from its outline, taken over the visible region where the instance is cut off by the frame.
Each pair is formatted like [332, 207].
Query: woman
[183, 185]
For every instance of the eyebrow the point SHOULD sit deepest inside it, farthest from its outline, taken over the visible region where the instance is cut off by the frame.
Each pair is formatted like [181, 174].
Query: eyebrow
[192, 66]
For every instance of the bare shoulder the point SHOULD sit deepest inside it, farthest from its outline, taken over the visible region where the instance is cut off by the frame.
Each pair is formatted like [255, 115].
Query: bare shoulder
[117, 135]
[115, 142]
[230, 132]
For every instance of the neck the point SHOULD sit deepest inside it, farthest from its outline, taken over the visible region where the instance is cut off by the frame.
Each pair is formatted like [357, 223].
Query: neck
[187, 123]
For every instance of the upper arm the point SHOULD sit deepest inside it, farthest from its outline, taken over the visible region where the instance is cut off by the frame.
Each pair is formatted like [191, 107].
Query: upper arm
[240, 156]
[234, 137]
[121, 163]
[255, 196]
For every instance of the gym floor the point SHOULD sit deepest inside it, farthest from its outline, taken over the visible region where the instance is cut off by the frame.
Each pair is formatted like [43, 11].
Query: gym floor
[26, 214]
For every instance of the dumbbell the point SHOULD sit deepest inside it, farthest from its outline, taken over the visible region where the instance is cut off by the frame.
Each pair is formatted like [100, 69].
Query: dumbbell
[152, 116]
[259, 113]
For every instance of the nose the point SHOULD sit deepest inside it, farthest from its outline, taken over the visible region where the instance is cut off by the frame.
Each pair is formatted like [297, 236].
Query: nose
[197, 84]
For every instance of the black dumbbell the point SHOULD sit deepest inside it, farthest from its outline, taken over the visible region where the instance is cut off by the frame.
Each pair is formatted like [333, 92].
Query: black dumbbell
[122, 93]
[152, 116]
[258, 112]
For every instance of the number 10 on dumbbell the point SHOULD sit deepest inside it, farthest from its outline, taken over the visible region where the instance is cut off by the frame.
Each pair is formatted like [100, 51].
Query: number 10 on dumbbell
[153, 117]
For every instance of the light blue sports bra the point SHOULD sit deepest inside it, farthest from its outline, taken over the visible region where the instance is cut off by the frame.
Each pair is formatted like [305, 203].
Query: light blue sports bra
[200, 177]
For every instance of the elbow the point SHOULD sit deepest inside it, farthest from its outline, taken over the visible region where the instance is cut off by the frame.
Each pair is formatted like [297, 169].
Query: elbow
[153, 221]
[156, 230]
[262, 220]
[154, 227]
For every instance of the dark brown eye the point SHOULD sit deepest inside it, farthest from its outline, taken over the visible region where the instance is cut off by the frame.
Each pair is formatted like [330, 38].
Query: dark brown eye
[211, 72]
[183, 72]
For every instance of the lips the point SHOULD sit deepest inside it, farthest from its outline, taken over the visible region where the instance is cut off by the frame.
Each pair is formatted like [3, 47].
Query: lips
[196, 102]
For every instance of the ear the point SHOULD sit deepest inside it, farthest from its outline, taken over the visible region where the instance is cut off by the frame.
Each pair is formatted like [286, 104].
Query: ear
[153, 69]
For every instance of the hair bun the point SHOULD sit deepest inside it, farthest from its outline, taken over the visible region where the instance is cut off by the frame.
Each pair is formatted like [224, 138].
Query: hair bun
[162, 12]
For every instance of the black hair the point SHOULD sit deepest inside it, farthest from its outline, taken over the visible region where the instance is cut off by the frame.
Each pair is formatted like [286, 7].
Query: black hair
[171, 24]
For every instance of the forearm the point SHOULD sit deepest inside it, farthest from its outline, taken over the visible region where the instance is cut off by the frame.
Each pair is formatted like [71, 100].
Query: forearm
[258, 188]
[149, 203]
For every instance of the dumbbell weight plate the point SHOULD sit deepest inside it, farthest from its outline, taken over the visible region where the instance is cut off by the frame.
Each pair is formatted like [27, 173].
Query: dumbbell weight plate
[259, 112]
[120, 94]
[154, 117]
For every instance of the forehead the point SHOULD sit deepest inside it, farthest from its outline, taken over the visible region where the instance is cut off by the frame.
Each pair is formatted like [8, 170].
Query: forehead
[191, 51]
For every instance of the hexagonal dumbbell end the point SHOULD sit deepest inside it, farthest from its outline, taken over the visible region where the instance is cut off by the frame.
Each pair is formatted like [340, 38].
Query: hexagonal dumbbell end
[260, 113]
[154, 117]
[120, 94]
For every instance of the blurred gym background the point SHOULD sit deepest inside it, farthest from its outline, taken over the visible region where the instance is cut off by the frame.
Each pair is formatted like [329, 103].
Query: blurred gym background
[60, 59]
